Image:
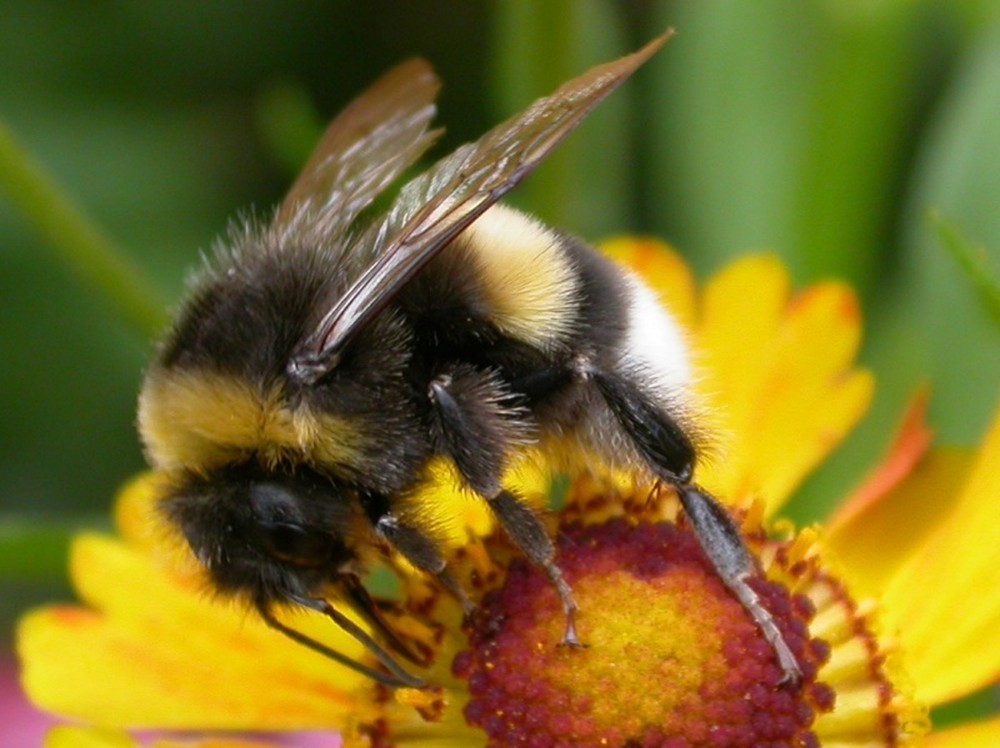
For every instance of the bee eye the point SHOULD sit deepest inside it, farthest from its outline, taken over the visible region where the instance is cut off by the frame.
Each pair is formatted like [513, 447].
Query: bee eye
[295, 544]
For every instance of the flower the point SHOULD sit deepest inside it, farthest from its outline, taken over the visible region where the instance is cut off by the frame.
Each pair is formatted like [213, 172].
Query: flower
[890, 609]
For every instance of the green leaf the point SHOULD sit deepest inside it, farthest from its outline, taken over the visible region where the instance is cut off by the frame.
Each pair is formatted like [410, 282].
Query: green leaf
[584, 185]
[726, 125]
[781, 125]
[966, 709]
[36, 550]
[869, 72]
[958, 174]
[29, 552]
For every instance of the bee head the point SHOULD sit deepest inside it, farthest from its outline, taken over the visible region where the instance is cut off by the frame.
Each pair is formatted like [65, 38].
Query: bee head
[266, 536]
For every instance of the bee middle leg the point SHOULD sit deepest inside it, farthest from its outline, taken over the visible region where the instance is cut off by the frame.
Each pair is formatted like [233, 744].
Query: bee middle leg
[477, 423]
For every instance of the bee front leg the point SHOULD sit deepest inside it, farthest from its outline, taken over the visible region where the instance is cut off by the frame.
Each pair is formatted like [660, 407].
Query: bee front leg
[477, 422]
[415, 546]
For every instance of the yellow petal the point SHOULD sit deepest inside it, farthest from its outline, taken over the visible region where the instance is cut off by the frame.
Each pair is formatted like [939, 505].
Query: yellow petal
[898, 506]
[985, 734]
[65, 736]
[909, 446]
[778, 377]
[944, 599]
[156, 653]
[874, 543]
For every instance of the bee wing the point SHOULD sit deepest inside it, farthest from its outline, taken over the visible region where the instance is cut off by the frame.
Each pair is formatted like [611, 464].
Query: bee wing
[365, 148]
[433, 208]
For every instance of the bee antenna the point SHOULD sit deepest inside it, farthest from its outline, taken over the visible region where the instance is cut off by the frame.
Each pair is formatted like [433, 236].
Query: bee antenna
[395, 678]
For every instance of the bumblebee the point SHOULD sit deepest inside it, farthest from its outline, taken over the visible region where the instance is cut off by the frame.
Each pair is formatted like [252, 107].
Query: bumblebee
[324, 359]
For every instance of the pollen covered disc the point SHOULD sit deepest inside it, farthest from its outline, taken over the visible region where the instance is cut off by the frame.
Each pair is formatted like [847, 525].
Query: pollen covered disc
[671, 655]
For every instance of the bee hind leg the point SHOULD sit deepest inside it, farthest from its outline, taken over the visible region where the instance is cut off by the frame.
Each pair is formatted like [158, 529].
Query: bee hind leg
[721, 541]
[669, 453]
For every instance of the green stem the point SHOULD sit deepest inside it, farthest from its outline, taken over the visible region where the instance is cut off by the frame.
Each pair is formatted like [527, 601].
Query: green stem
[974, 261]
[76, 240]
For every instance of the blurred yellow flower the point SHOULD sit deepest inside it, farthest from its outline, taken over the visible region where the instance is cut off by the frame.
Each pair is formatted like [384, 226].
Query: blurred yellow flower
[891, 609]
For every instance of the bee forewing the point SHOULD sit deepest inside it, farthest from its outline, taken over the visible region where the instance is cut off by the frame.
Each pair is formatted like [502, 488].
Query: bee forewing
[365, 148]
[433, 208]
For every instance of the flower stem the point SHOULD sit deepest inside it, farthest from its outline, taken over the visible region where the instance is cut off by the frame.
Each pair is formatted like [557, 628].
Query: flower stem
[76, 240]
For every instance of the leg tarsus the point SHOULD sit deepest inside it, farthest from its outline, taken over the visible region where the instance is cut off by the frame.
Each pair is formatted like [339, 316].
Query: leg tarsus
[450, 584]
[750, 600]
[396, 677]
[357, 596]
[721, 540]
[570, 637]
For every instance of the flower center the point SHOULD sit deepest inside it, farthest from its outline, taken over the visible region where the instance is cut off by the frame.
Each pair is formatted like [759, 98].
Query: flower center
[673, 658]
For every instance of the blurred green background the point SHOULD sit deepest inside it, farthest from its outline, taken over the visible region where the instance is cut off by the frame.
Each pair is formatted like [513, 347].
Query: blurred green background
[824, 131]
